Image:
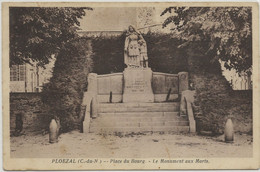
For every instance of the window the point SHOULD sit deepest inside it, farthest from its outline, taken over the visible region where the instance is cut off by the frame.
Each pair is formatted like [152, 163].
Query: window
[21, 72]
[13, 73]
[17, 73]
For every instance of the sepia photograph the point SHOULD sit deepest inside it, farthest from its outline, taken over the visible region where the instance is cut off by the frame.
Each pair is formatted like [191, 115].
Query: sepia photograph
[130, 86]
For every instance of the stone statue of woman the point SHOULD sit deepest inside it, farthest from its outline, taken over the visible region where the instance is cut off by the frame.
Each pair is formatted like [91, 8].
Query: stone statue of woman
[132, 50]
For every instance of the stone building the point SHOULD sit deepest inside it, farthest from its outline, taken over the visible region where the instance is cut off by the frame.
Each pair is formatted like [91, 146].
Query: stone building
[29, 78]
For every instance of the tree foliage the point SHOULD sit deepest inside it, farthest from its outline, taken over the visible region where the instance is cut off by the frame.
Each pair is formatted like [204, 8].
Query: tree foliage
[164, 54]
[37, 33]
[223, 33]
[64, 93]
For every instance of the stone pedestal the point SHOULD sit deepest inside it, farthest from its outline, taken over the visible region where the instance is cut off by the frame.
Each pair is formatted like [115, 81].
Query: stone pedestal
[138, 85]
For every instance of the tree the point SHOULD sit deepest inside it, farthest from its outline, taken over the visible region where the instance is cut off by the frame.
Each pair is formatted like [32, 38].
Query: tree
[37, 33]
[64, 93]
[223, 33]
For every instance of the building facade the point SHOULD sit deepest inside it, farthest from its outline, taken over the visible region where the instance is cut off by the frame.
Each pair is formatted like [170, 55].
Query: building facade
[29, 78]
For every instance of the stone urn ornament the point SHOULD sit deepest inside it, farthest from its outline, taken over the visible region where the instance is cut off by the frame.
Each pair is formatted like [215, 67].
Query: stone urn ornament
[229, 131]
[53, 131]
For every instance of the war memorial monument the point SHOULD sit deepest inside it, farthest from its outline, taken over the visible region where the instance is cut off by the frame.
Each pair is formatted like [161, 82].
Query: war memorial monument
[138, 99]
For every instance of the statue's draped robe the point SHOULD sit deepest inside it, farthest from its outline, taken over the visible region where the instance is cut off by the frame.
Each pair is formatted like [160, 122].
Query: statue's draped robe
[132, 49]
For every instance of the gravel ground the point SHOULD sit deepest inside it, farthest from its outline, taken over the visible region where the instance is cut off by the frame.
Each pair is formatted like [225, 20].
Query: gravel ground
[149, 145]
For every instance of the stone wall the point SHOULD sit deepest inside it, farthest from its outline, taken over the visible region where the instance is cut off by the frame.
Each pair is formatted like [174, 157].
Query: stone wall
[110, 83]
[34, 116]
[163, 82]
[162, 85]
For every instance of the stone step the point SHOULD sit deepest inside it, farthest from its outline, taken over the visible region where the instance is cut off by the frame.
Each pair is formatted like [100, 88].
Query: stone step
[138, 107]
[108, 130]
[140, 119]
[105, 124]
[138, 104]
[139, 114]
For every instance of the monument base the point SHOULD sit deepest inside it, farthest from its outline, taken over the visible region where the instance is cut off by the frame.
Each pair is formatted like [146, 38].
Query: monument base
[138, 85]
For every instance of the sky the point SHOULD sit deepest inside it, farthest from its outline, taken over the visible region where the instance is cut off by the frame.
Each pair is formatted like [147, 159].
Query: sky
[108, 19]
[113, 18]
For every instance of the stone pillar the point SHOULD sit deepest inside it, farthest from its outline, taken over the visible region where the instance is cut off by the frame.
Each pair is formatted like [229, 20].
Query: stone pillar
[187, 96]
[86, 122]
[92, 82]
[187, 99]
[93, 88]
[183, 81]
[138, 85]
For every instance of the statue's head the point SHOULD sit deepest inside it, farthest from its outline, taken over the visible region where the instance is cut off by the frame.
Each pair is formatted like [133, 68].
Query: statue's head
[131, 28]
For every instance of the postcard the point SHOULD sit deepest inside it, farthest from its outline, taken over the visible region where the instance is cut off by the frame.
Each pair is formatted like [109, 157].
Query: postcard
[130, 85]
